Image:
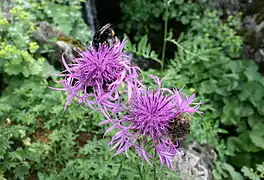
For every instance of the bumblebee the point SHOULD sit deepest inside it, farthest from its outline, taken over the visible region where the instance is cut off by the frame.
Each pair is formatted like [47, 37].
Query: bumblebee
[104, 36]
[179, 128]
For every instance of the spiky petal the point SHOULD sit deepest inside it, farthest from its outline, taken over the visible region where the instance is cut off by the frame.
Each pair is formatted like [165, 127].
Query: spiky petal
[145, 123]
[94, 77]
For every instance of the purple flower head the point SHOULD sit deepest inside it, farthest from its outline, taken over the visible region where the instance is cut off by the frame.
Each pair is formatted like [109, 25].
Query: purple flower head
[148, 122]
[95, 75]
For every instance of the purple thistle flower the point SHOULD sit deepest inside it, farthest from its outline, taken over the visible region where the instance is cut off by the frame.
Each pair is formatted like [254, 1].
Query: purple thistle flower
[94, 77]
[146, 120]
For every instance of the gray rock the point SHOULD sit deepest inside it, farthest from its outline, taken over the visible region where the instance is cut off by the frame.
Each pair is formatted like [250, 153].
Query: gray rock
[196, 162]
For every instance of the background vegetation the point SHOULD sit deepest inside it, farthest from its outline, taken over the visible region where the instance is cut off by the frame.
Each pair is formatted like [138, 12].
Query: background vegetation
[187, 42]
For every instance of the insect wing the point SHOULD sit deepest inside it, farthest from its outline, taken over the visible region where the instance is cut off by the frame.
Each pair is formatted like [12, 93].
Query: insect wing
[104, 28]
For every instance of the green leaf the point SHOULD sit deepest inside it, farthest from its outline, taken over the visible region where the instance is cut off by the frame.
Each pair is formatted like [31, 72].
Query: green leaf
[235, 144]
[143, 49]
[260, 107]
[246, 111]
[241, 159]
[235, 66]
[253, 75]
[249, 173]
[260, 168]
[232, 172]
[49, 69]
[257, 136]
[248, 145]
[208, 87]
[255, 121]
[22, 170]
[253, 91]
[230, 114]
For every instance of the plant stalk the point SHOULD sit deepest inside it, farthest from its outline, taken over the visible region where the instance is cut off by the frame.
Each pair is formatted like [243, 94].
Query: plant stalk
[155, 172]
[140, 172]
[164, 38]
[120, 167]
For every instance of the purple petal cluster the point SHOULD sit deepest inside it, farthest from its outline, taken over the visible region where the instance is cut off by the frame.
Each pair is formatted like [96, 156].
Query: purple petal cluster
[94, 77]
[145, 122]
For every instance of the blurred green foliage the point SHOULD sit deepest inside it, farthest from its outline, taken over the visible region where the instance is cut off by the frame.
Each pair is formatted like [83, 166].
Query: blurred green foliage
[258, 174]
[208, 61]
[234, 88]
[40, 140]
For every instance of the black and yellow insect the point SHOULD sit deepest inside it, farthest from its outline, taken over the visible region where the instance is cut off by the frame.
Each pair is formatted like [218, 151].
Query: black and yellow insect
[104, 36]
[179, 128]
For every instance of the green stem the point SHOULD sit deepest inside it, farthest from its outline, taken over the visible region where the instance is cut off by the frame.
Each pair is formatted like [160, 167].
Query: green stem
[140, 172]
[154, 166]
[164, 38]
[120, 167]
[155, 173]
[179, 46]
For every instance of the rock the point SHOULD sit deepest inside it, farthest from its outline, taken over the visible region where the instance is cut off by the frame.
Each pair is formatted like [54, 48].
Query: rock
[59, 43]
[196, 163]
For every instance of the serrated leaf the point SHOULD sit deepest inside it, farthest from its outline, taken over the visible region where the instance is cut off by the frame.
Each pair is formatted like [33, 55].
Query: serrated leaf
[143, 49]
[249, 173]
[22, 170]
[260, 168]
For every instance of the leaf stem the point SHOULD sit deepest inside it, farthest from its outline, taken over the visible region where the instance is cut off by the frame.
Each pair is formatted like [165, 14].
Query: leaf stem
[140, 172]
[164, 37]
[120, 167]
[155, 172]
[179, 46]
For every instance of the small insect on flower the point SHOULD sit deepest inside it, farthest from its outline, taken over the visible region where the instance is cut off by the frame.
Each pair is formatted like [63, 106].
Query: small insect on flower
[179, 128]
[104, 36]
[94, 77]
[151, 121]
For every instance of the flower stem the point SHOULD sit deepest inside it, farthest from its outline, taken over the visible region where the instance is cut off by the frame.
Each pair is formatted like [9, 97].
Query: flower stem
[164, 37]
[120, 167]
[140, 172]
[155, 173]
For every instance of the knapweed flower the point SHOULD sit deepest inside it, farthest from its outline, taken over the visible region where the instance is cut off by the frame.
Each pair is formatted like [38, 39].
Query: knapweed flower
[149, 120]
[95, 76]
